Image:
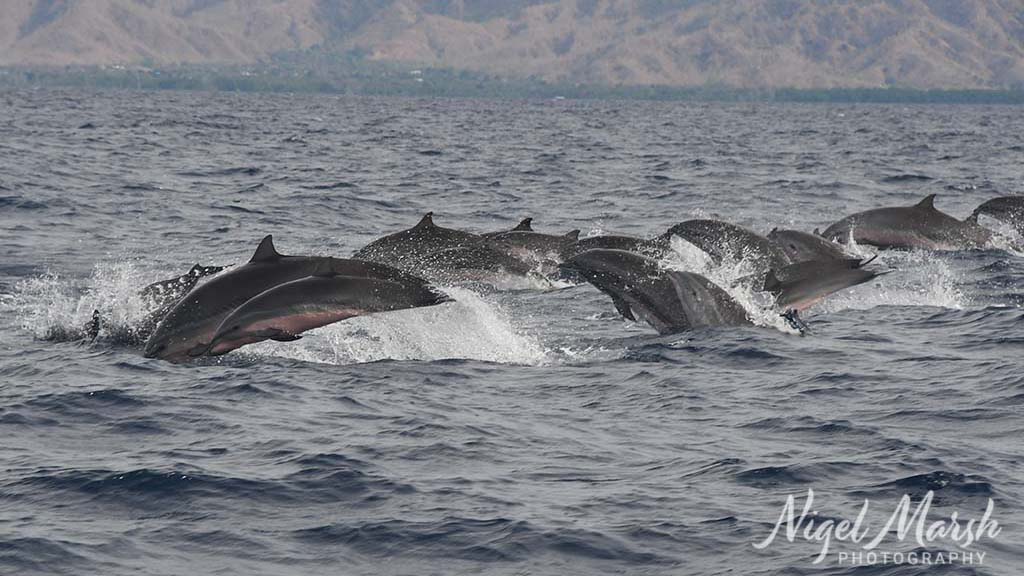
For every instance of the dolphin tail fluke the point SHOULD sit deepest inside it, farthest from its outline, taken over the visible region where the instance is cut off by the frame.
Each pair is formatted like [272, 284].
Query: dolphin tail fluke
[92, 329]
[794, 319]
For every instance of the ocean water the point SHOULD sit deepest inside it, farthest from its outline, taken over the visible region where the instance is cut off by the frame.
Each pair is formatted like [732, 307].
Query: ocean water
[515, 431]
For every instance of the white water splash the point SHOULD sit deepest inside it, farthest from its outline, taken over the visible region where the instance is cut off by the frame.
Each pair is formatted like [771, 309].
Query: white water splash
[727, 275]
[468, 328]
[916, 278]
[52, 307]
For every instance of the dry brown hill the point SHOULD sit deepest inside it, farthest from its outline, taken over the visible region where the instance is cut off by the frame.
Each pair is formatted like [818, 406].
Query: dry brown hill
[744, 43]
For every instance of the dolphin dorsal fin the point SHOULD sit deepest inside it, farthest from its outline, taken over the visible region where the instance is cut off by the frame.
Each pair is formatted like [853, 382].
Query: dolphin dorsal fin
[265, 252]
[427, 221]
[524, 226]
[928, 203]
[817, 232]
[573, 235]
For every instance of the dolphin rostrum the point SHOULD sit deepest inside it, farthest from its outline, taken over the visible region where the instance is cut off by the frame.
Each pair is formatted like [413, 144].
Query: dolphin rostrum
[194, 319]
[671, 301]
[287, 310]
[918, 226]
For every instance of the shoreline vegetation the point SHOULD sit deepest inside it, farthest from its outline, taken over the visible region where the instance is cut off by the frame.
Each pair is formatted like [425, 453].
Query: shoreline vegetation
[359, 77]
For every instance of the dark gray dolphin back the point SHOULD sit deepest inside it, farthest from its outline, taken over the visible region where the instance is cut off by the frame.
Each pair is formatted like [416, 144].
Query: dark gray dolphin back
[919, 226]
[1009, 209]
[407, 248]
[643, 246]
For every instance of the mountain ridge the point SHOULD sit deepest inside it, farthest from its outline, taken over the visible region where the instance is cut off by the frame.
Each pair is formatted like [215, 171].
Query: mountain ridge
[923, 44]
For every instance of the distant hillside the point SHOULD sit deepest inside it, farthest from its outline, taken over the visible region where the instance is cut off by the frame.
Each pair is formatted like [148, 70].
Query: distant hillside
[949, 44]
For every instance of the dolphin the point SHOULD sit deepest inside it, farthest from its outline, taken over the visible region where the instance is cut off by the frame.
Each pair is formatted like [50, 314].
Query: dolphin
[406, 249]
[670, 301]
[802, 246]
[193, 321]
[918, 226]
[172, 290]
[654, 247]
[530, 246]
[799, 286]
[476, 263]
[287, 310]
[1009, 209]
[722, 240]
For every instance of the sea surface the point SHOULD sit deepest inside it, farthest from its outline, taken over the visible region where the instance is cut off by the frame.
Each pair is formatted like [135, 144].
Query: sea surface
[518, 431]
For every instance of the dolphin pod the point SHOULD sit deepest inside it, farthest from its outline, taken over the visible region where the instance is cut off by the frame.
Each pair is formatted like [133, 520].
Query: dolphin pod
[278, 297]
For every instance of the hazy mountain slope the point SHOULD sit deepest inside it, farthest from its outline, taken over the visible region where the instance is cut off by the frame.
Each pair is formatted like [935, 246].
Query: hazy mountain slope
[748, 43]
[61, 32]
[738, 42]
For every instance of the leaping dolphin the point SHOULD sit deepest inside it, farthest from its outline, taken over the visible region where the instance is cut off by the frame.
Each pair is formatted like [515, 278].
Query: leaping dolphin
[530, 246]
[287, 310]
[193, 321]
[918, 226]
[670, 301]
[722, 240]
[644, 246]
[1009, 209]
[406, 249]
[799, 286]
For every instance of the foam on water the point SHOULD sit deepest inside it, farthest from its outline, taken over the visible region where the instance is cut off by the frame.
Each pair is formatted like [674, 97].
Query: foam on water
[915, 278]
[52, 307]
